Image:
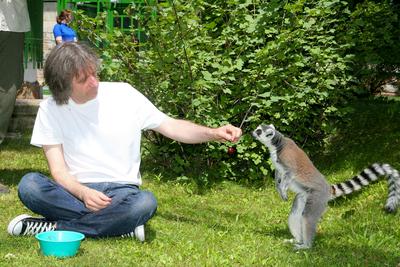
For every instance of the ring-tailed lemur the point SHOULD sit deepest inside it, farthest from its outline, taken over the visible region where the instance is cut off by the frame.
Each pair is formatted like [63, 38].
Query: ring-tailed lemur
[295, 171]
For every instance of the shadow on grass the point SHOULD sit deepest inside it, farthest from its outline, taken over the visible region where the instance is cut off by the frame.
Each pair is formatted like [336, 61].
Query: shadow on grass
[277, 231]
[11, 177]
[341, 254]
[151, 234]
[371, 133]
[17, 144]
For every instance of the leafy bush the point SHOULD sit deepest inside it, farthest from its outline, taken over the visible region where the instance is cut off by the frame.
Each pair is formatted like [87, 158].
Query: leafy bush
[374, 33]
[288, 63]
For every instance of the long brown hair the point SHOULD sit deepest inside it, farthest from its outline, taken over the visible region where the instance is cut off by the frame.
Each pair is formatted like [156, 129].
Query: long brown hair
[64, 15]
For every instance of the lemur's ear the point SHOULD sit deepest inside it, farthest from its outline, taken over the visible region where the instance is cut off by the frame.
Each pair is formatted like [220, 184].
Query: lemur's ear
[272, 126]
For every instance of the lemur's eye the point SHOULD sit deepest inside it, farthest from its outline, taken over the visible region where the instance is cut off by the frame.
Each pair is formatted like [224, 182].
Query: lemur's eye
[269, 133]
[258, 132]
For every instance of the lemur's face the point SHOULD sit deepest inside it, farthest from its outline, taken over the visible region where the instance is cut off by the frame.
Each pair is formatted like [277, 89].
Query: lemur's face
[264, 133]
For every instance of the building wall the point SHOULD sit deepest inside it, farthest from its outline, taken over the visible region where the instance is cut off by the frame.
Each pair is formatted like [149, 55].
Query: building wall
[49, 19]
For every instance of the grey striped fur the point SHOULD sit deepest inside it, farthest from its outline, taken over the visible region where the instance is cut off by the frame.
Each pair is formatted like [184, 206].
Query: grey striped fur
[368, 175]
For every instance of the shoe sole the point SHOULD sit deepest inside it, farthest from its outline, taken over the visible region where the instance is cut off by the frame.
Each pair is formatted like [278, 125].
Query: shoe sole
[11, 225]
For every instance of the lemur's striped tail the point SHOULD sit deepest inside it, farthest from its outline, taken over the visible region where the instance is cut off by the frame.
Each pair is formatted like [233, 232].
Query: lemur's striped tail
[368, 175]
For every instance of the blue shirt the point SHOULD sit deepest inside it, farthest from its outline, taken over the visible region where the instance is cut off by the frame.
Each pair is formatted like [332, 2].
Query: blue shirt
[67, 33]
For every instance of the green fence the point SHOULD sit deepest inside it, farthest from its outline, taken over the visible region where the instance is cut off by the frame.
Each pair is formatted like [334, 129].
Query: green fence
[115, 13]
[33, 47]
[33, 52]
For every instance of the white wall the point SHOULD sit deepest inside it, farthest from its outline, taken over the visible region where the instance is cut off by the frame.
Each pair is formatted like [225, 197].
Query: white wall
[49, 19]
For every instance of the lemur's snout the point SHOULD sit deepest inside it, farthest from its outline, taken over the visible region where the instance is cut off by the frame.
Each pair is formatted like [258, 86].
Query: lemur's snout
[258, 131]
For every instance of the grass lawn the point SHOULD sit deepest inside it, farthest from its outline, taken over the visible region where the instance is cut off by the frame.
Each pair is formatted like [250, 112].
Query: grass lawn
[235, 225]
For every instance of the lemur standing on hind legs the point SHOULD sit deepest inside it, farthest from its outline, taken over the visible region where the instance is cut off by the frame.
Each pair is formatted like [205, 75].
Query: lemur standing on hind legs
[295, 171]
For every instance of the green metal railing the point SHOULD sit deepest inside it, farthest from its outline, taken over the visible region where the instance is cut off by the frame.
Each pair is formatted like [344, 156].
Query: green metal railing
[33, 44]
[114, 10]
[33, 52]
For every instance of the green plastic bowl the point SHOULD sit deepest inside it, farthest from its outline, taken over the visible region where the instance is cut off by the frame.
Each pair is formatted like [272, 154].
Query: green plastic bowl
[60, 243]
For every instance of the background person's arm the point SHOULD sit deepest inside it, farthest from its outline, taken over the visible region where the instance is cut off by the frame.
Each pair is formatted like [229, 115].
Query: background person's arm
[57, 34]
[58, 40]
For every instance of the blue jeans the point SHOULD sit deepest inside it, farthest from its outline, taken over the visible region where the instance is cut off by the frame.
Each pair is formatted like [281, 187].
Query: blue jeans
[130, 206]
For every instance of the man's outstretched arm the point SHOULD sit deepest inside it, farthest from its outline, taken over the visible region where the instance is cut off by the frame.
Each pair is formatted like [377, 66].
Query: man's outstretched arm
[191, 133]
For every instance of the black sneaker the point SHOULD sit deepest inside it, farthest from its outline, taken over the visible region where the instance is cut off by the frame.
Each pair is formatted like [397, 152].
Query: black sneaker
[28, 225]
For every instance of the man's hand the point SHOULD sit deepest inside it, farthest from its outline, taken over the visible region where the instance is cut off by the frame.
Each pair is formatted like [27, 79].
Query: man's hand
[227, 133]
[94, 200]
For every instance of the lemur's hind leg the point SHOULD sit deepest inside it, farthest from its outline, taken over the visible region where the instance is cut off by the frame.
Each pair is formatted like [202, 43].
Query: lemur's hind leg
[315, 206]
[295, 218]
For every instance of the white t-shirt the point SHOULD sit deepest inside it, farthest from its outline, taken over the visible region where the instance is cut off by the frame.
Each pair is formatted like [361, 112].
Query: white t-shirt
[14, 16]
[100, 138]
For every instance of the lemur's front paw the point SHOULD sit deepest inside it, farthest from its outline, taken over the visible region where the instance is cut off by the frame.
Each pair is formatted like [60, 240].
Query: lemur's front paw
[284, 197]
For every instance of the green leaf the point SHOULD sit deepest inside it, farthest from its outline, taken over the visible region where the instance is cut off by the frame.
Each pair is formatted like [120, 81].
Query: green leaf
[207, 76]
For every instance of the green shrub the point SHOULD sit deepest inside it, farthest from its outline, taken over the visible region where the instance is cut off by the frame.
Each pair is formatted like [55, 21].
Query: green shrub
[288, 63]
[374, 31]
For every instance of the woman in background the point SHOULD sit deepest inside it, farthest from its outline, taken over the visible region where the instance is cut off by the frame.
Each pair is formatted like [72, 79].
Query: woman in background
[62, 31]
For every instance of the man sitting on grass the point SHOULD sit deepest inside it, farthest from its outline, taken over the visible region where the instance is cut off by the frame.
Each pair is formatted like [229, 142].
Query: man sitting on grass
[90, 132]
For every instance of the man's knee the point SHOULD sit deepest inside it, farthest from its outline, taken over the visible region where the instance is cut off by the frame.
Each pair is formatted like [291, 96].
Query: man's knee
[148, 203]
[142, 207]
[30, 185]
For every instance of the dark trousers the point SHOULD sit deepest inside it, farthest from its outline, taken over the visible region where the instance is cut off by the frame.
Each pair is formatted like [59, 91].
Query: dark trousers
[11, 75]
[129, 208]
